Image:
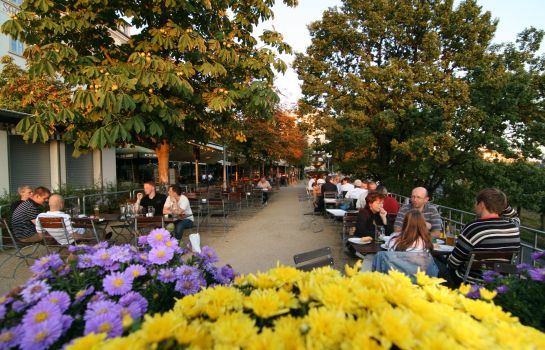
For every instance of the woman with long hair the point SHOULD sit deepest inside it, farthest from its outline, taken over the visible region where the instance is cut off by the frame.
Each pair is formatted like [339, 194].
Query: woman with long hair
[414, 236]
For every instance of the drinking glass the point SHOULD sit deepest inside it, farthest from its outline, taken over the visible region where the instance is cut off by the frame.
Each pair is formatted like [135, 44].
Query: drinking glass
[96, 209]
[151, 210]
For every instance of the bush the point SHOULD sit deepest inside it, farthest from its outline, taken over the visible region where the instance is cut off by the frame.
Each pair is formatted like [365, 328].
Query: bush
[103, 290]
[522, 295]
[286, 308]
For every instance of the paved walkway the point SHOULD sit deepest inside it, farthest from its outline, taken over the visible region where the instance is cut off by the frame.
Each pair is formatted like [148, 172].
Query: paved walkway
[256, 242]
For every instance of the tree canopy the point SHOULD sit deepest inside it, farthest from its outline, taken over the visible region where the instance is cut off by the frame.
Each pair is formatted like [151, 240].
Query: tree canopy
[192, 69]
[412, 92]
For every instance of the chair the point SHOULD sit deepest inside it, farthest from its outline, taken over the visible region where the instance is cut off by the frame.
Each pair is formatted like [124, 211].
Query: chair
[349, 223]
[88, 225]
[234, 203]
[55, 230]
[503, 262]
[144, 224]
[216, 209]
[313, 259]
[14, 248]
[330, 199]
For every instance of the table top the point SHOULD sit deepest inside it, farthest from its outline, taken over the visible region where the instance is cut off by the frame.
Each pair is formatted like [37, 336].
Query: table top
[375, 247]
[336, 212]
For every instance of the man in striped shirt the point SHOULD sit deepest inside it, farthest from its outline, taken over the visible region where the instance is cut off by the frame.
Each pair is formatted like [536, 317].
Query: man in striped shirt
[496, 229]
[23, 220]
[420, 202]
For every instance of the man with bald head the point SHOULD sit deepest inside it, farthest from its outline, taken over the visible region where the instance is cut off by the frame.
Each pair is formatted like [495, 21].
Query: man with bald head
[420, 202]
[56, 206]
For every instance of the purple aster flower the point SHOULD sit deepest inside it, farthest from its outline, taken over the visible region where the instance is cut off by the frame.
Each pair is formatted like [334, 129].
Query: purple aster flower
[18, 305]
[46, 263]
[5, 300]
[160, 255]
[134, 303]
[122, 253]
[66, 322]
[2, 311]
[102, 258]
[142, 240]
[502, 289]
[100, 245]
[523, 267]
[113, 267]
[537, 274]
[9, 337]
[224, 275]
[173, 244]
[77, 249]
[82, 294]
[41, 335]
[85, 261]
[538, 255]
[41, 312]
[187, 272]
[105, 323]
[34, 291]
[208, 255]
[188, 286]
[489, 276]
[117, 283]
[475, 292]
[101, 307]
[158, 237]
[134, 271]
[167, 275]
[65, 270]
[59, 298]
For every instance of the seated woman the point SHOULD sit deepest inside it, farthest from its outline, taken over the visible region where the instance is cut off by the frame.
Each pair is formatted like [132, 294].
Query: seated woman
[316, 192]
[414, 236]
[371, 216]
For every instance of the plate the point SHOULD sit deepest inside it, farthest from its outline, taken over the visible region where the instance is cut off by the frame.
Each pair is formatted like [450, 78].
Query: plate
[445, 248]
[357, 240]
[384, 246]
[439, 241]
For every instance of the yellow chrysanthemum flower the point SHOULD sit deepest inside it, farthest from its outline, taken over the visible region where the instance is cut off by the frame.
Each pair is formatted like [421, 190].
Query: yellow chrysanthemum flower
[159, 327]
[87, 342]
[351, 271]
[465, 288]
[233, 329]
[265, 303]
[424, 280]
[487, 294]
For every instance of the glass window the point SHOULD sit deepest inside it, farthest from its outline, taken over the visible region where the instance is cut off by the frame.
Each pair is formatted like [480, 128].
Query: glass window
[16, 47]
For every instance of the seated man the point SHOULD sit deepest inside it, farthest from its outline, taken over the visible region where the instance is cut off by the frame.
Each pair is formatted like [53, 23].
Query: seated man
[490, 231]
[23, 220]
[358, 194]
[266, 187]
[420, 201]
[56, 206]
[150, 198]
[178, 204]
[24, 193]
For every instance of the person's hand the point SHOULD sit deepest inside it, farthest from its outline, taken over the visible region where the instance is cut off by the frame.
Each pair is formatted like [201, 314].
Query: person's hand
[428, 225]
[139, 196]
[383, 212]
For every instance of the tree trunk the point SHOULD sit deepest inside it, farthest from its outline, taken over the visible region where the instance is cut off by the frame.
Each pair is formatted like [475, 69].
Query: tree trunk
[162, 151]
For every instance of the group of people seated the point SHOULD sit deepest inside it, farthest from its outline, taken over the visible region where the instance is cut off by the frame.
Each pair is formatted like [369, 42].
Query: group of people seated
[418, 222]
[27, 211]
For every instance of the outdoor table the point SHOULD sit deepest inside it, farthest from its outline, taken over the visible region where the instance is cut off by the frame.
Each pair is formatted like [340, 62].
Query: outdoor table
[337, 213]
[375, 246]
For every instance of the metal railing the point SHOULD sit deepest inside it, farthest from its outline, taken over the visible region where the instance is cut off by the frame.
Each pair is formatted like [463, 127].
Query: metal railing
[102, 195]
[531, 240]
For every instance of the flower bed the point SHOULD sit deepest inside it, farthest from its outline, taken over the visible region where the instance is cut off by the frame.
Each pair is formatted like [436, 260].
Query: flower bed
[104, 290]
[287, 308]
[523, 295]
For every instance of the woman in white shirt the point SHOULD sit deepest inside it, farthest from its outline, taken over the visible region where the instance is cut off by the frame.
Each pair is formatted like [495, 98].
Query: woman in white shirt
[178, 205]
[414, 236]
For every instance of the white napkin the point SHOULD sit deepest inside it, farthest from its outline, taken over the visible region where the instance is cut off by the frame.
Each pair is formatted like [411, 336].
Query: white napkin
[195, 240]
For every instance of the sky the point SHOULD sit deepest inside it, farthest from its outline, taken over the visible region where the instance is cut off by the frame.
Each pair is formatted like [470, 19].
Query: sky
[513, 16]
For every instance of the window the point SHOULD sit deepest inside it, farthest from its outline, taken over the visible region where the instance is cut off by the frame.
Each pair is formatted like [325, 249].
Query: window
[16, 47]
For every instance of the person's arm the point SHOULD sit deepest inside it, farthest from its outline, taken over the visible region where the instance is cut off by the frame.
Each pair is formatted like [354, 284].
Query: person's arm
[398, 224]
[436, 223]
[167, 205]
[511, 215]
[139, 197]
[383, 214]
[461, 251]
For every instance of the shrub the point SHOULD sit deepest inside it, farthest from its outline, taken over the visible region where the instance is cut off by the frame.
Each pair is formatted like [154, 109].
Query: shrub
[103, 290]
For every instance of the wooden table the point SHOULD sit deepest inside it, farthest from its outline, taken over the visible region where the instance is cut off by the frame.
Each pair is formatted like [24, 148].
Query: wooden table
[375, 247]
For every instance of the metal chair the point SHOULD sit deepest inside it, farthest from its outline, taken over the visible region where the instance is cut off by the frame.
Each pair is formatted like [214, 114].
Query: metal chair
[14, 248]
[144, 224]
[55, 231]
[318, 258]
[216, 210]
[349, 223]
[330, 199]
[88, 225]
[503, 261]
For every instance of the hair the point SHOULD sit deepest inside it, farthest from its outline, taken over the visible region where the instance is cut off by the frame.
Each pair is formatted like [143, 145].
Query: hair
[382, 190]
[151, 183]
[56, 201]
[22, 188]
[176, 189]
[494, 200]
[347, 179]
[328, 178]
[372, 197]
[41, 191]
[413, 229]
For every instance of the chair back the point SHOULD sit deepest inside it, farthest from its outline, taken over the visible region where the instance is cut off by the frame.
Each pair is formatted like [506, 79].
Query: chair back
[313, 259]
[152, 222]
[8, 241]
[503, 261]
[55, 230]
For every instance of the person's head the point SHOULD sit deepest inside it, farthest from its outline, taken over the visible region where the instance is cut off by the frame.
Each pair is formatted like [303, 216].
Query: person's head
[382, 190]
[174, 191]
[419, 197]
[371, 186]
[357, 183]
[364, 185]
[25, 192]
[413, 229]
[346, 180]
[56, 202]
[41, 195]
[328, 178]
[491, 199]
[374, 201]
[149, 187]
